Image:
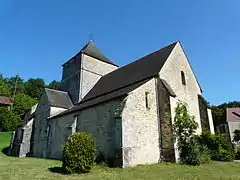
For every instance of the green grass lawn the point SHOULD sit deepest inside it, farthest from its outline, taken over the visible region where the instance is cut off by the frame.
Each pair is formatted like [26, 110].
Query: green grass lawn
[12, 168]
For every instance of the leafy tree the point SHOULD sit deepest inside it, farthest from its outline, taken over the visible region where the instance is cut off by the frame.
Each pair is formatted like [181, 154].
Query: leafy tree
[8, 119]
[220, 148]
[184, 125]
[22, 103]
[10, 82]
[190, 150]
[54, 85]
[4, 89]
[219, 112]
[34, 87]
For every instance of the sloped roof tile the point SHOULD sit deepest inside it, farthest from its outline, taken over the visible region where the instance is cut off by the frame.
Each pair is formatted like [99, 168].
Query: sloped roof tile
[59, 98]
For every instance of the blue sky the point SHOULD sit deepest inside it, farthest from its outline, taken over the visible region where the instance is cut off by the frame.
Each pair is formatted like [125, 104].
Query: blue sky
[36, 37]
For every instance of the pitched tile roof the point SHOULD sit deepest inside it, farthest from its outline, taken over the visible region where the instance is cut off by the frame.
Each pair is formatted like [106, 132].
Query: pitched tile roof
[233, 114]
[4, 100]
[59, 98]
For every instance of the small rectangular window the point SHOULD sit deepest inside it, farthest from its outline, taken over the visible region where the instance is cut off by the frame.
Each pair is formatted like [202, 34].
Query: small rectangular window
[147, 100]
[183, 78]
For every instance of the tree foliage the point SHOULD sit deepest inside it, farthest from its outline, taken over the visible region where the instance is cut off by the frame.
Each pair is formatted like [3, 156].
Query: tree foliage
[190, 150]
[184, 125]
[4, 89]
[34, 87]
[27, 94]
[23, 102]
[11, 82]
[8, 119]
[220, 148]
[219, 112]
[54, 85]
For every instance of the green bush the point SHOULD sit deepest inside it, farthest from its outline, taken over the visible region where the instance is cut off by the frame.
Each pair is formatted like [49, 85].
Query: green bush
[8, 120]
[236, 136]
[220, 148]
[79, 153]
[192, 153]
[190, 150]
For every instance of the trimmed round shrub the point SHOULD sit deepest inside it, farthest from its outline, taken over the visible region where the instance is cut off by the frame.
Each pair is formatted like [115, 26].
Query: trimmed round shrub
[220, 148]
[79, 153]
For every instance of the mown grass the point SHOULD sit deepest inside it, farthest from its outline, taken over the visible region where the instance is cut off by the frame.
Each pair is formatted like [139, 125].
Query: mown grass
[31, 168]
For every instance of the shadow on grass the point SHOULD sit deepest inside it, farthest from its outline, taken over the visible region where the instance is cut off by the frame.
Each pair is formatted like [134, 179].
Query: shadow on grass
[5, 151]
[58, 170]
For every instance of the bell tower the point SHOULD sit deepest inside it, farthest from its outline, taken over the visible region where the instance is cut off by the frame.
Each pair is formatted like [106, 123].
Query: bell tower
[82, 71]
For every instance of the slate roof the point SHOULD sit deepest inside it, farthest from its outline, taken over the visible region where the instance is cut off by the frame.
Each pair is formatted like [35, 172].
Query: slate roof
[59, 98]
[115, 94]
[167, 86]
[139, 70]
[91, 49]
[4, 100]
[125, 79]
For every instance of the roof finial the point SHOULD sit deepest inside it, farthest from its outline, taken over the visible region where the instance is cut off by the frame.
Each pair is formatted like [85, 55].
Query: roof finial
[90, 37]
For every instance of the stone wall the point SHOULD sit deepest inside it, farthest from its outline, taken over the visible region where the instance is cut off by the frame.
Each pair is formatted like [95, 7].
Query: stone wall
[58, 131]
[21, 140]
[26, 139]
[81, 73]
[210, 120]
[92, 70]
[40, 126]
[171, 72]
[140, 128]
[71, 77]
[166, 129]
[103, 121]
[203, 114]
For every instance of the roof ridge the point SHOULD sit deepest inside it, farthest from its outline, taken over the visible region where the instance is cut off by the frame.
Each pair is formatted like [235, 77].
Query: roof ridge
[55, 90]
[149, 65]
[92, 50]
[140, 58]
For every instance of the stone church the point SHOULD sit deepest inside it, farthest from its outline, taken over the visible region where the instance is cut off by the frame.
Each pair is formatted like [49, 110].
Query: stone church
[129, 110]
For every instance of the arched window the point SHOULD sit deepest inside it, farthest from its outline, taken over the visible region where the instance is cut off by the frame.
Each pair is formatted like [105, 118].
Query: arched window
[183, 78]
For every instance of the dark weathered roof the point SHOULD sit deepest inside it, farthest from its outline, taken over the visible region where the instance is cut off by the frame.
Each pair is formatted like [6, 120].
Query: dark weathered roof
[91, 49]
[204, 100]
[143, 68]
[59, 98]
[125, 79]
[115, 94]
[4, 100]
[167, 86]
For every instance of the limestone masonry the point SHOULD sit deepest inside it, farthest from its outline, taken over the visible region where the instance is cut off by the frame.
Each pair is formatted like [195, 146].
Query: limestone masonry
[129, 110]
